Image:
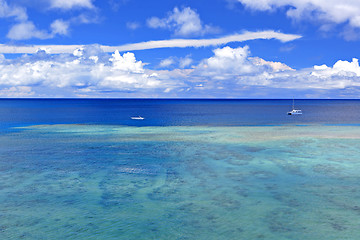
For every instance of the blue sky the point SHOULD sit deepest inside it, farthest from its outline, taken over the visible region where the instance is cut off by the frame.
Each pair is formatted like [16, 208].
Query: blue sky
[180, 49]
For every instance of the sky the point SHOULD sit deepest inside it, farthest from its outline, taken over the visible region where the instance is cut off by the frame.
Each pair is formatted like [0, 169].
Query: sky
[179, 49]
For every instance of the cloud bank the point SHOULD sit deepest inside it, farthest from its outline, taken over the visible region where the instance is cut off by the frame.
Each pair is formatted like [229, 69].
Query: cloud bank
[77, 74]
[229, 72]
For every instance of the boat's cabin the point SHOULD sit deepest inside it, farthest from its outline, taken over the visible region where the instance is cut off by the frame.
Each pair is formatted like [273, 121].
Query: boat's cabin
[295, 111]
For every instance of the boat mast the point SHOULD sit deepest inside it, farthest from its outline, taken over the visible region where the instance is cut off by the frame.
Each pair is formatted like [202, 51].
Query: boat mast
[293, 104]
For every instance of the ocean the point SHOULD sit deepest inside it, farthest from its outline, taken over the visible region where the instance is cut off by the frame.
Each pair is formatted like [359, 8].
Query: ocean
[192, 169]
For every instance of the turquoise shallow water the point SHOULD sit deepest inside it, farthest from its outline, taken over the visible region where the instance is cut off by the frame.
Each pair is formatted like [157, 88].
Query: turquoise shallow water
[118, 182]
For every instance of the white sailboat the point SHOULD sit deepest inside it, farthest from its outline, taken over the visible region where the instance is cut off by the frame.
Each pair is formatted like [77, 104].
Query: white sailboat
[294, 111]
[137, 118]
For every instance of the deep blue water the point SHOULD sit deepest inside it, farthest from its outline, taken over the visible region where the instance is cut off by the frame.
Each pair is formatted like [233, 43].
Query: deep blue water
[171, 112]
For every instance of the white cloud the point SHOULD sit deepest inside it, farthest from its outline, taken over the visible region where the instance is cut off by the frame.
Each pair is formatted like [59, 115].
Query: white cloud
[173, 43]
[276, 66]
[17, 12]
[184, 22]
[346, 66]
[132, 25]
[69, 4]
[126, 73]
[229, 72]
[156, 22]
[227, 62]
[185, 62]
[59, 27]
[23, 28]
[333, 11]
[167, 62]
[236, 64]
[182, 43]
[341, 69]
[235, 68]
[17, 92]
[126, 63]
[26, 30]
[341, 75]
[175, 61]
[80, 73]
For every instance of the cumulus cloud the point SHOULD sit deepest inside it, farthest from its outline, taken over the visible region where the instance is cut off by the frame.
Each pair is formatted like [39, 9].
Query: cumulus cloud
[227, 61]
[69, 4]
[80, 72]
[172, 43]
[184, 22]
[342, 74]
[231, 69]
[237, 65]
[126, 75]
[126, 63]
[325, 11]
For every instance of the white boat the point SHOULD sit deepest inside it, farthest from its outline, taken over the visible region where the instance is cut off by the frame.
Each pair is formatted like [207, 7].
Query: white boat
[294, 111]
[137, 118]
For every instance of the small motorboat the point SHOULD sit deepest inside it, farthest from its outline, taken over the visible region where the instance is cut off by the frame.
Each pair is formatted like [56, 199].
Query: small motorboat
[137, 118]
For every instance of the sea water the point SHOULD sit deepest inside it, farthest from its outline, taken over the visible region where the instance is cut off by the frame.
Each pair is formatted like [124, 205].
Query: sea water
[192, 169]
